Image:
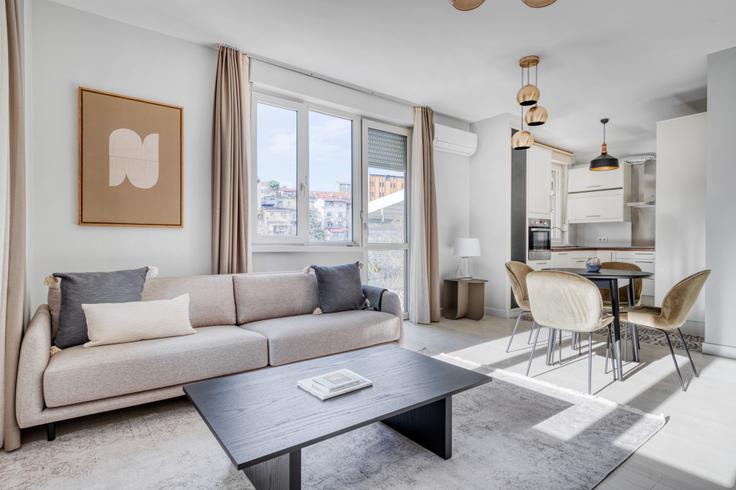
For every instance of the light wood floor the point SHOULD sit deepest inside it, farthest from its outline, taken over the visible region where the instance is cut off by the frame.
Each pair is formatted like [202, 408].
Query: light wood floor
[696, 448]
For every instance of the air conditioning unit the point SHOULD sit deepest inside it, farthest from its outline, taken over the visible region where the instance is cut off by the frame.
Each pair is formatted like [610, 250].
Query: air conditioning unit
[452, 140]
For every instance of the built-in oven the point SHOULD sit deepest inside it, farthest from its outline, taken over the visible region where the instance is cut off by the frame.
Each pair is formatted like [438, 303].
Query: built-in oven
[540, 239]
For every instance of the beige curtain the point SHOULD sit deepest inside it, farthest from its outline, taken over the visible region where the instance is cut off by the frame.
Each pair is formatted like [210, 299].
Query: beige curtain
[230, 157]
[424, 288]
[12, 288]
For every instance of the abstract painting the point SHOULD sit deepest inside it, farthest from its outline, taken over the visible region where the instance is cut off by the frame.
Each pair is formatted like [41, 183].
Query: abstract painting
[130, 161]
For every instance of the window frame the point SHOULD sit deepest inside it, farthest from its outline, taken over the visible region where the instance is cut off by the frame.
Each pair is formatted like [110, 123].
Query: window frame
[302, 109]
[366, 244]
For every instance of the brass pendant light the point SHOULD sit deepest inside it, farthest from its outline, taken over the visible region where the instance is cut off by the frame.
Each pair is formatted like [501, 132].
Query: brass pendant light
[466, 5]
[538, 4]
[604, 161]
[536, 116]
[522, 140]
[527, 96]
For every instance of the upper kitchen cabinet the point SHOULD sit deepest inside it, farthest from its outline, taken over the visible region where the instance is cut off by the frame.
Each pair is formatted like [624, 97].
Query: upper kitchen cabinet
[538, 168]
[598, 197]
[582, 179]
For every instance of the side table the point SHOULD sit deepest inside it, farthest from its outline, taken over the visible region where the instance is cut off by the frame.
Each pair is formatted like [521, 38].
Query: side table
[464, 298]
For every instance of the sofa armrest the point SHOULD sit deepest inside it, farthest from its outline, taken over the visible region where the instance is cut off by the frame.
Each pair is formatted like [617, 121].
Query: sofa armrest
[390, 301]
[35, 352]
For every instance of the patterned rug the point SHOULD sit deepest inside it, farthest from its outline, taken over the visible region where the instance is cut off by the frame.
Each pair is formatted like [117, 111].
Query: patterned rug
[514, 432]
[655, 337]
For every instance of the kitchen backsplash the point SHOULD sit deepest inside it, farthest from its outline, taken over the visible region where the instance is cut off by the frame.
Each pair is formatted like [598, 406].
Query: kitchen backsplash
[601, 234]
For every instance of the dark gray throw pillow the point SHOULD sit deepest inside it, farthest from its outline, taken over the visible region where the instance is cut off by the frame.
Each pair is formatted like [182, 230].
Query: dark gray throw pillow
[339, 287]
[88, 288]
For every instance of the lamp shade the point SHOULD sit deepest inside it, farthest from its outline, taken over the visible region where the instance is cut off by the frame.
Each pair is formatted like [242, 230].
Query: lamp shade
[467, 247]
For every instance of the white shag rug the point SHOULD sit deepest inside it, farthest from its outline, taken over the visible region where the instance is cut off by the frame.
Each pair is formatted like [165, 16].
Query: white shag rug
[514, 432]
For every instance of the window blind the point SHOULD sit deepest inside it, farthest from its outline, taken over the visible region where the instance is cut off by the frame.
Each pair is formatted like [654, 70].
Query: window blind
[386, 150]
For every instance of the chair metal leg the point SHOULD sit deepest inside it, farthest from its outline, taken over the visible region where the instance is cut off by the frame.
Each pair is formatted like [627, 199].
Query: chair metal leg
[692, 364]
[534, 347]
[559, 343]
[550, 346]
[531, 331]
[590, 361]
[672, 351]
[609, 350]
[626, 342]
[518, 319]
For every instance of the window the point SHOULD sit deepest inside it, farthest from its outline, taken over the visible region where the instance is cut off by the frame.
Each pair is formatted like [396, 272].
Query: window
[324, 179]
[330, 178]
[305, 173]
[558, 192]
[385, 157]
[276, 171]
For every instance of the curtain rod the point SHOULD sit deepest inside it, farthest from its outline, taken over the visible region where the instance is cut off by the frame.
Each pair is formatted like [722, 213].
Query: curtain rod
[334, 81]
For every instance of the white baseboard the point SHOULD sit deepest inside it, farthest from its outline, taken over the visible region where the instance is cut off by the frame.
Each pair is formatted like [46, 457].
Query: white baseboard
[719, 350]
[502, 312]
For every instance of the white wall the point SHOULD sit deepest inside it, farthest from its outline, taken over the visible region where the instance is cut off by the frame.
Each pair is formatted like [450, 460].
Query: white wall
[70, 48]
[680, 211]
[452, 178]
[490, 208]
[720, 233]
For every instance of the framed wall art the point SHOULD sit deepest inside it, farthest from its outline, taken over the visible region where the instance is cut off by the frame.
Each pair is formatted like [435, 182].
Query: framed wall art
[130, 161]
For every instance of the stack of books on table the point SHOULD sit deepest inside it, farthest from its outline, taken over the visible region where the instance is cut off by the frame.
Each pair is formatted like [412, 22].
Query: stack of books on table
[334, 384]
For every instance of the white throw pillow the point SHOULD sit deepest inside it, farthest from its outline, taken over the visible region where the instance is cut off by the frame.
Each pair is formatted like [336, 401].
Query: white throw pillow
[115, 323]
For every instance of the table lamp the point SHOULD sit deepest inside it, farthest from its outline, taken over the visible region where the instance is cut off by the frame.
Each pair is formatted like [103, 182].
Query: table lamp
[466, 248]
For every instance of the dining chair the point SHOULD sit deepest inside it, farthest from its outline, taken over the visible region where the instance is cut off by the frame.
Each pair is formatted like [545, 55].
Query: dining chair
[565, 301]
[517, 272]
[673, 313]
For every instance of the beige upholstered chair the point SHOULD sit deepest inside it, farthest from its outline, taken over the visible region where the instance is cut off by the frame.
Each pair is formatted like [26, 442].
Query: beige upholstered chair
[517, 272]
[623, 294]
[564, 301]
[675, 309]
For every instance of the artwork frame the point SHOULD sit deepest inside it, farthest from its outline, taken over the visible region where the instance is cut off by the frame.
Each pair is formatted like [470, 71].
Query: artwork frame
[115, 187]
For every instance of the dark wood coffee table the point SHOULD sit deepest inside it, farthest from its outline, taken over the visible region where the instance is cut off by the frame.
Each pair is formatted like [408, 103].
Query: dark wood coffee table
[262, 419]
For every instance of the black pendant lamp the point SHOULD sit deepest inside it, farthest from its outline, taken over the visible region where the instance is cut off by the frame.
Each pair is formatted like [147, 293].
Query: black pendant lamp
[604, 161]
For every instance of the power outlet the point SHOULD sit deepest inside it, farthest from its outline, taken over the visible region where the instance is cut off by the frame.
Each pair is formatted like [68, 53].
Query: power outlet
[602, 238]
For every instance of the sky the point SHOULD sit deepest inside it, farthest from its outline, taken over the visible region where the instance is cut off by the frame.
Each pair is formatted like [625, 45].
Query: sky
[330, 148]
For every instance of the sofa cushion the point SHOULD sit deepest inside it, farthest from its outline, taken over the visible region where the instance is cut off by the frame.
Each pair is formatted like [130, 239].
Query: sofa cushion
[211, 300]
[339, 287]
[307, 336]
[92, 287]
[264, 296]
[118, 323]
[80, 374]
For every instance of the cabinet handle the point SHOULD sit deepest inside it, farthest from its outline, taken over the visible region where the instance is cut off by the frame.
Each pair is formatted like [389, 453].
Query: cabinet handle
[593, 216]
[592, 186]
[643, 262]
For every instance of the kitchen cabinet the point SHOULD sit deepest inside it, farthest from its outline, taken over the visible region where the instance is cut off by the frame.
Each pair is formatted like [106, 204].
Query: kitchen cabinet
[598, 207]
[538, 182]
[598, 197]
[582, 179]
[540, 264]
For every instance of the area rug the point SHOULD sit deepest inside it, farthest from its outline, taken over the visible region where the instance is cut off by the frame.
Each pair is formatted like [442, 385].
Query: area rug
[513, 432]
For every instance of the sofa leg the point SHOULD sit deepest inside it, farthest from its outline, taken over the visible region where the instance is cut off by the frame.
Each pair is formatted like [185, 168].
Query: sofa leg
[51, 431]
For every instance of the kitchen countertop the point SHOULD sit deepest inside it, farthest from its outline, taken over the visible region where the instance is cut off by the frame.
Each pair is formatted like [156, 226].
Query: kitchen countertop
[575, 248]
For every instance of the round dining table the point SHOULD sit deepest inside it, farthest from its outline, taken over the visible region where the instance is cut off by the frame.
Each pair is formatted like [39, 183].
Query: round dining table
[608, 279]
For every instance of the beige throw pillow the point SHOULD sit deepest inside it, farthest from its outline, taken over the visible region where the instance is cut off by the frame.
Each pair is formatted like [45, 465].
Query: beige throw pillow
[115, 323]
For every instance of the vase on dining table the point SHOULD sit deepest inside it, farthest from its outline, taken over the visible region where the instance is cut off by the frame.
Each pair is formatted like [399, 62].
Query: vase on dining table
[593, 264]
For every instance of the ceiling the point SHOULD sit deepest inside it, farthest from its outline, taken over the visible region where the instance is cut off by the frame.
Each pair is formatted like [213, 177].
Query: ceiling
[634, 61]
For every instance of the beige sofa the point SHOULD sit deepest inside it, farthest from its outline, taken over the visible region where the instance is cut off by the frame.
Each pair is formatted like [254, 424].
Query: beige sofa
[243, 322]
